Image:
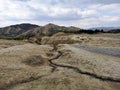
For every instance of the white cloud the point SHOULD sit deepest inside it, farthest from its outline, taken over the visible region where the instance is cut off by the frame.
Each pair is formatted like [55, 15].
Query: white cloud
[109, 18]
[14, 10]
[82, 13]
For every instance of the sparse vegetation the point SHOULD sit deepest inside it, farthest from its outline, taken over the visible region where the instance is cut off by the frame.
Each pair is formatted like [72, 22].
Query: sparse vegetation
[35, 60]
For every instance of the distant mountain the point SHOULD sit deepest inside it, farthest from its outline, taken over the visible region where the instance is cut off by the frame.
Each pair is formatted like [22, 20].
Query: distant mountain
[26, 30]
[14, 30]
[104, 28]
[48, 29]
[33, 30]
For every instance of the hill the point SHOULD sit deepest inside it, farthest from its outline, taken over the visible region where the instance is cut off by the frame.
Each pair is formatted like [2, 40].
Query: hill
[14, 30]
[49, 30]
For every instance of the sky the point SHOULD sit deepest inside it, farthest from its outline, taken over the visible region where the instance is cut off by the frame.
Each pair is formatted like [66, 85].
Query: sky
[79, 13]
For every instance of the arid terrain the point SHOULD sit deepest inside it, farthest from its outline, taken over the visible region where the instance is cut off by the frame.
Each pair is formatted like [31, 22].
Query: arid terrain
[61, 62]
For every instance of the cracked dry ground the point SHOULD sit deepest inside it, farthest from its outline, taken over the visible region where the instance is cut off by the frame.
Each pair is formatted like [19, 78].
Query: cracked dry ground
[42, 67]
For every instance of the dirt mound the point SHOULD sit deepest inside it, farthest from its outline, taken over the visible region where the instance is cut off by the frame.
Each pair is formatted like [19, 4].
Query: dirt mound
[55, 40]
[61, 34]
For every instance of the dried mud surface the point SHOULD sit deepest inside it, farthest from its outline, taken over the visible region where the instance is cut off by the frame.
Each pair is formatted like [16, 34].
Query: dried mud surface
[63, 66]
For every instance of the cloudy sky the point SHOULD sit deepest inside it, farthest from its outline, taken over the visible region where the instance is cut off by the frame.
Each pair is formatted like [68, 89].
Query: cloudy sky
[80, 13]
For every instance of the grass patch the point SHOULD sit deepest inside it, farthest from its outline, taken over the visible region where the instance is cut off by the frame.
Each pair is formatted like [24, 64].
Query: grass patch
[35, 60]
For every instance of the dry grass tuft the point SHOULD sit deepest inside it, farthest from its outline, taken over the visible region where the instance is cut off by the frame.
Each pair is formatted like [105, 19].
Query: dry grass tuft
[35, 60]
